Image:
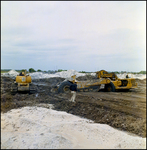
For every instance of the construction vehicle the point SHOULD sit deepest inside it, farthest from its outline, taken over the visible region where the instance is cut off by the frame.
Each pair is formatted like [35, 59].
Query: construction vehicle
[115, 82]
[110, 81]
[23, 83]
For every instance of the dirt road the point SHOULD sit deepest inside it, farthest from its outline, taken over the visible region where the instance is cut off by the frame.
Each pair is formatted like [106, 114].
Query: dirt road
[122, 110]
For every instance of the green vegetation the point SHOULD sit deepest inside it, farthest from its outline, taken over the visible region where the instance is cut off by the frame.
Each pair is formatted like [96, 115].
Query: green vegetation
[82, 71]
[142, 72]
[31, 70]
[116, 72]
[23, 70]
[60, 70]
[5, 70]
[39, 70]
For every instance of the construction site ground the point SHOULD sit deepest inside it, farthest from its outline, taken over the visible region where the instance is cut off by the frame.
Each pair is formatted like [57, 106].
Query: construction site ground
[123, 110]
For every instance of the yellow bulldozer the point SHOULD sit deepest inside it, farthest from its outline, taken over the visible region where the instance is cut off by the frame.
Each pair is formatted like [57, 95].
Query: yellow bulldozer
[23, 83]
[110, 81]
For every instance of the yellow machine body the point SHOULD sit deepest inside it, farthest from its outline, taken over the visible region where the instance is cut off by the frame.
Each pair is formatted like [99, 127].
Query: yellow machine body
[110, 81]
[83, 85]
[23, 79]
[127, 83]
[22, 83]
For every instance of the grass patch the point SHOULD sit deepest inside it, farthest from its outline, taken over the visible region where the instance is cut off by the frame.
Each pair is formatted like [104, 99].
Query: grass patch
[3, 71]
[6, 71]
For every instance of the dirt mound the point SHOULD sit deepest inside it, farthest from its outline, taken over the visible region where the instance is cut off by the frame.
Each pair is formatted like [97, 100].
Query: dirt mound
[52, 81]
[139, 81]
[6, 79]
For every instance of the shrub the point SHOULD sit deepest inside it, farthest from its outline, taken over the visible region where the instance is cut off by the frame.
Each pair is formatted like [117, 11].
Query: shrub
[31, 70]
[39, 70]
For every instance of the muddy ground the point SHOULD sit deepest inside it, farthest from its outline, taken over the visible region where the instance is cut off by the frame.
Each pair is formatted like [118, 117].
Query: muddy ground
[123, 110]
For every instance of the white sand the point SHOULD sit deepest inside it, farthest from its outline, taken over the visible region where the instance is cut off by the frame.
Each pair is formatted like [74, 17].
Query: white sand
[41, 128]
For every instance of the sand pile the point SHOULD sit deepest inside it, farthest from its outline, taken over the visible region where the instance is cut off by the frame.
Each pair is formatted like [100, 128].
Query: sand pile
[41, 128]
[63, 74]
[11, 73]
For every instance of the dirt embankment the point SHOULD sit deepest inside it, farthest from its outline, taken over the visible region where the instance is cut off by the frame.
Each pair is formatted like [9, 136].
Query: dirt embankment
[122, 110]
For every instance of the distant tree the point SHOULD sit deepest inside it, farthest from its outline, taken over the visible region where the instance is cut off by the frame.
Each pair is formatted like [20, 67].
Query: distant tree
[38, 70]
[23, 70]
[82, 71]
[31, 70]
[123, 72]
[116, 72]
[49, 71]
[142, 72]
[59, 70]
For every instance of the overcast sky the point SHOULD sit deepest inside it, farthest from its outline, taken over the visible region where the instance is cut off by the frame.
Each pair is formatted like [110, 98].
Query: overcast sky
[79, 35]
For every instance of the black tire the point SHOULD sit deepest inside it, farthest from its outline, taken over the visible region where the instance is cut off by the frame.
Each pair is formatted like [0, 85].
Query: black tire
[64, 87]
[110, 87]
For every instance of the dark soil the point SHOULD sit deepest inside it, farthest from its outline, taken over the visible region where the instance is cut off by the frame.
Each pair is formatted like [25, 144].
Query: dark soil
[125, 111]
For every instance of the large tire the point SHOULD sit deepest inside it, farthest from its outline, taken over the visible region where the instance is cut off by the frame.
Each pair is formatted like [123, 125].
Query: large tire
[110, 87]
[64, 87]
